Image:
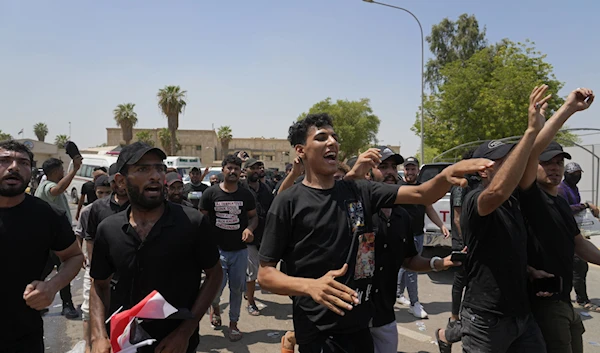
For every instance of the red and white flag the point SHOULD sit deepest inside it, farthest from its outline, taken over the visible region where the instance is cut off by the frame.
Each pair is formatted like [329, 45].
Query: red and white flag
[125, 333]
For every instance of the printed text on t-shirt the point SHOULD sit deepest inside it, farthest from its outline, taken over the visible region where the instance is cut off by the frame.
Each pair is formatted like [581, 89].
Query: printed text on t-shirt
[226, 213]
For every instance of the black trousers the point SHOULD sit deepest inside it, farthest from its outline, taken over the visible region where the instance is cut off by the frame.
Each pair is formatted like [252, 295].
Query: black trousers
[580, 270]
[53, 260]
[460, 281]
[28, 344]
[357, 342]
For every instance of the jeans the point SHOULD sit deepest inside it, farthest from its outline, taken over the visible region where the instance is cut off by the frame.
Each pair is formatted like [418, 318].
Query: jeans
[560, 324]
[385, 338]
[408, 279]
[234, 264]
[580, 269]
[53, 260]
[489, 333]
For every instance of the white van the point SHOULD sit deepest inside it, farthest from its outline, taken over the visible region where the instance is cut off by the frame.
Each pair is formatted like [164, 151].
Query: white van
[183, 164]
[84, 174]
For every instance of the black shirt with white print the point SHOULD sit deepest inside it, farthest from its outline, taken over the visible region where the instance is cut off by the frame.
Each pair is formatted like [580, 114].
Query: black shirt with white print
[228, 213]
[315, 231]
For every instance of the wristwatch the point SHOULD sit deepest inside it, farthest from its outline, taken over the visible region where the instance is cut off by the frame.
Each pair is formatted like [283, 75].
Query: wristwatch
[432, 263]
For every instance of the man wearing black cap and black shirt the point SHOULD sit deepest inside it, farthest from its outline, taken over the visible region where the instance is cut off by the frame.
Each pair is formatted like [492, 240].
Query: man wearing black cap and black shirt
[554, 235]
[232, 213]
[88, 195]
[394, 248]
[153, 245]
[496, 316]
[193, 190]
[406, 278]
[175, 189]
[322, 229]
[263, 198]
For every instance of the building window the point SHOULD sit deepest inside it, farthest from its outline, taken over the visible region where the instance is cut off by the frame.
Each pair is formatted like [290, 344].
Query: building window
[268, 158]
[199, 148]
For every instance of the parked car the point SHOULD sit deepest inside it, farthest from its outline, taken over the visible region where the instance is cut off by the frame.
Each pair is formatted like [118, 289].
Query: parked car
[433, 236]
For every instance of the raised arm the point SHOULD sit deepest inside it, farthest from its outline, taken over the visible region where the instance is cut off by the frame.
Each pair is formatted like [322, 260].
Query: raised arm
[288, 182]
[578, 100]
[64, 183]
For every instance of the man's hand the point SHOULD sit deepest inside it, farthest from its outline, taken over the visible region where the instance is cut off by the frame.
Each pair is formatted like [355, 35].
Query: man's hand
[365, 162]
[455, 174]
[445, 231]
[205, 173]
[539, 274]
[447, 262]
[247, 236]
[537, 101]
[77, 161]
[175, 342]
[580, 99]
[594, 209]
[39, 295]
[297, 167]
[332, 294]
[101, 345]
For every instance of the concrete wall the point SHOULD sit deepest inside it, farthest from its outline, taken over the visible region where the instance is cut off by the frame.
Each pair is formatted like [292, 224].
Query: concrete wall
[43, 151]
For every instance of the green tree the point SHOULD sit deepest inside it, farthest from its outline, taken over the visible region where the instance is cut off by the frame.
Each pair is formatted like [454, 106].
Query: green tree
[164, 136]
[171, 101]
[354, 122]
[145, 137]
[126, 118]
[487, 96]
[5, 136]
[40, 130]
[450, 41]
[429, 154]
[225, 135]
[61, 140]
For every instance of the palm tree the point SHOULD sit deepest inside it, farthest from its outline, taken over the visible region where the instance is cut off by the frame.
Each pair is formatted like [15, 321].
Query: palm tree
[145, 137]
[171, 101]
[165, 139]
[40, 130]
[224, 134]
[5, 136]
[61, 140]
[126, 118]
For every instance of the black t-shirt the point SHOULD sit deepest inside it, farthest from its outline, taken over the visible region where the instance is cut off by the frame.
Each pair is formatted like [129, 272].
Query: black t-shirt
[315, 231]
[102, 209]
[228, 213]
[28, 232]
[416, 212]
[170, 260]
[193, 193]
[264, 199]
[87, 189]
[394, 242]
[551, 244]
[496, 264]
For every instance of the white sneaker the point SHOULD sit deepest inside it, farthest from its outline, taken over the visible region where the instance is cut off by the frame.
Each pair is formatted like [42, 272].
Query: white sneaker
[402, 300]
[418, 311]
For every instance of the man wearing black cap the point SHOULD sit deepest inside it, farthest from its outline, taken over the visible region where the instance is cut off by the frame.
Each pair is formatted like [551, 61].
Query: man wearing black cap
[409, 279]
[175, 189]
[88, 195]
[263, 198]
[153, 245]
[496, 316]
[554, 235]
[569, 191]
[193, 190]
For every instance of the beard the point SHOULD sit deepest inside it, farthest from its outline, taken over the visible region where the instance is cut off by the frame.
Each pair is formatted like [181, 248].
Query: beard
[390, 178]
[253, 177]
[138, 199]
[13, 190]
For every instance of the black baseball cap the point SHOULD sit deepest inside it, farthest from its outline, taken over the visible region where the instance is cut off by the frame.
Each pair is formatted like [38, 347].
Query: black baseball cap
[112, 170]
[411, 160]
[493, 150]
[194, 169]
[131, 154]
[386, 153]
[553, 150]
[173, 177]
[102, 180]
[351, 161]
[252, 161]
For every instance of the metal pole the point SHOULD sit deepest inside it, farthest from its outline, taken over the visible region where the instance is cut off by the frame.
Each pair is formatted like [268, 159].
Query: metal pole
[69, 130]
[422, 70]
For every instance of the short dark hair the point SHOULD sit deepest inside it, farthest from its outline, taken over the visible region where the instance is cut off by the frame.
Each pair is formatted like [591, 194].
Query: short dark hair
[51, 165]
[297, 132]
[231, 159]
[11, 145]
[101, 168]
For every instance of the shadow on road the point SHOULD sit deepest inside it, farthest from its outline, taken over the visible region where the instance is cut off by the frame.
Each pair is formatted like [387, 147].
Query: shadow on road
[278, 311]
[214, 344]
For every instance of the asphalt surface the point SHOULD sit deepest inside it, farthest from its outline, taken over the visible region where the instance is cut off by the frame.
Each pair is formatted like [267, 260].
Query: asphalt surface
[263, 333]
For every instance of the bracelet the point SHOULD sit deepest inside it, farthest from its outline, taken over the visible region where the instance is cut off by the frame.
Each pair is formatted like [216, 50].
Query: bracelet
[432, 263]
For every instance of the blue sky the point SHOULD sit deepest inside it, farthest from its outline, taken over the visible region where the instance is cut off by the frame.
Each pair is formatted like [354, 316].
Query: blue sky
[254, 65]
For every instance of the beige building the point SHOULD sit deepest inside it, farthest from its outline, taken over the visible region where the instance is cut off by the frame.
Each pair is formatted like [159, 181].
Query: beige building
[43, 151]
[275, 153]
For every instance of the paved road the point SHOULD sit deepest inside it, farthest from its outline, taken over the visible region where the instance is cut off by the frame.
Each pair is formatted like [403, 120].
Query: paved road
[262, 334]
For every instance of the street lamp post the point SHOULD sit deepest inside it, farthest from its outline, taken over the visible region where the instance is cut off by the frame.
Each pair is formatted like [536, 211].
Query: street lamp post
[422, 69]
